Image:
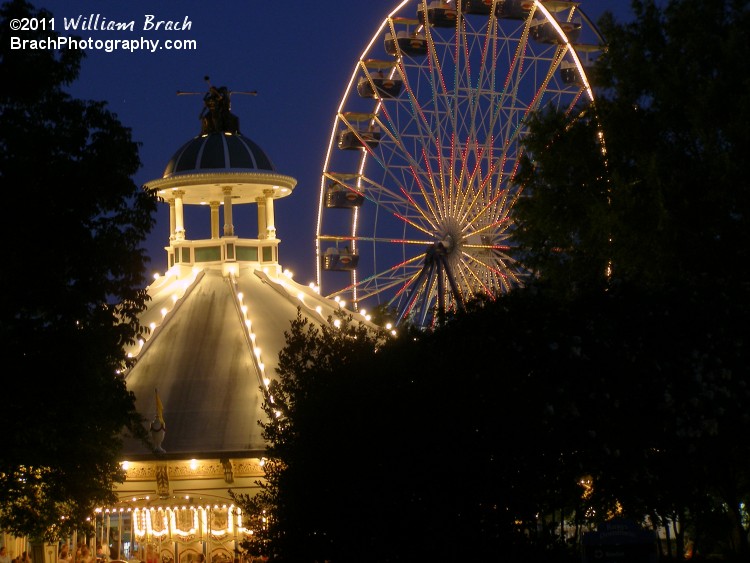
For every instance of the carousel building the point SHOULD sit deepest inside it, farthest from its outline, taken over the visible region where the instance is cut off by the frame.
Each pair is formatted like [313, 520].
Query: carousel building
[217, 319]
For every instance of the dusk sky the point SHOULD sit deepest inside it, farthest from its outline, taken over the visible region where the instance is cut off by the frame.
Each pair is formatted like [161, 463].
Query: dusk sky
[298, 55]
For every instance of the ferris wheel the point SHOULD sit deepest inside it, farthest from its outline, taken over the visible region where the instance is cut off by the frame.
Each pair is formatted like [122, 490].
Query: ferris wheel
[416, 197]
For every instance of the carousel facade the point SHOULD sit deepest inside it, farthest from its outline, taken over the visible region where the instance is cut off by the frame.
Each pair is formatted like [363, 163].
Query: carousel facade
[217, 319]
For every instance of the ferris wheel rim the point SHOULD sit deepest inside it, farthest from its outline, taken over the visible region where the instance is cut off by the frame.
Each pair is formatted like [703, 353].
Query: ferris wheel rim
[378, 117]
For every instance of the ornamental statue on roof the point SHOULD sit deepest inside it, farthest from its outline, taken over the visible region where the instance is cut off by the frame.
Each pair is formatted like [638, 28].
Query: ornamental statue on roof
[216, 116]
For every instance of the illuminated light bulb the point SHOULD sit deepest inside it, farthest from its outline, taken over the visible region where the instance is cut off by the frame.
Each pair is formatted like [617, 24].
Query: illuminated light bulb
[265, 270]
[278, 414]
[262, 366]
[140, 342]
[156, 276]
[266, 381]
[311, 285]
[301, 296]
[125, 465]
[164, 312]
[130, 355]
[393, 332]
[252, 337]
[152, 326]
[389, 326]
[342, 303]
[368, 317]
[257, 352]
[193, 464]
[240, 296]
[174, 298]
[364, 312]
[248, 324]
[319, 310]
[244, 309]
[337, 323]
[337, 299]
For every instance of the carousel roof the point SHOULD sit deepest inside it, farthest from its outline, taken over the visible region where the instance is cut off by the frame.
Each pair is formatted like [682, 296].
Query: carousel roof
[215, 339]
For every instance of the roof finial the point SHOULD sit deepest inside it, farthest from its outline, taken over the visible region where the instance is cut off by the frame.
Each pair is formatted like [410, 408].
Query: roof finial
[216, 116]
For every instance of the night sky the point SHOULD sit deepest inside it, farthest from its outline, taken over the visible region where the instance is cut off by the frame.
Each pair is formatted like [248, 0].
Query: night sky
[297, 55]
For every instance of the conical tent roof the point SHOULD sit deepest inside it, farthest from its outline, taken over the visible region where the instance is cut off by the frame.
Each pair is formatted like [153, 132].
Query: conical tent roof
[209, 354]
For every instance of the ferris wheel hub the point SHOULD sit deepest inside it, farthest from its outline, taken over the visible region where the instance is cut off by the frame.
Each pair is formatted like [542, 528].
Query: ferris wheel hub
[445, 246]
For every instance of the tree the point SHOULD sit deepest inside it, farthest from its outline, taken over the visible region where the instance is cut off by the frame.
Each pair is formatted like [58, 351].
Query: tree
[379, 448]
[658, 215]
[72, 287]
[304, 409]
[668, 202]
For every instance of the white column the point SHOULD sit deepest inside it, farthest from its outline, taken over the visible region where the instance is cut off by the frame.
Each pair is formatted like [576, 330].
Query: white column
[179, 226]
[270, 226]
[105, 532]
[214, 219]
[228, 226]
[171, 218]
[262, 233]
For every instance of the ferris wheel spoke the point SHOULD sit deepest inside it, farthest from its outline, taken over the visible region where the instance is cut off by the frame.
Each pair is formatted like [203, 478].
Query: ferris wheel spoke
[367, 289]
[386, 280]
[542, 88]
[416, 172]
[442, 98]
[471, 196]
[391, 126]
[361, 239]
[485, 211]
[420, 119]
[473, 283]
[398, 205]
[487, 68]
[368, 189]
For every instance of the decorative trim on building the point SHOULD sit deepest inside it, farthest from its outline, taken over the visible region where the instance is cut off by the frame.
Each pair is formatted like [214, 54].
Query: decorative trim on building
[162, 481]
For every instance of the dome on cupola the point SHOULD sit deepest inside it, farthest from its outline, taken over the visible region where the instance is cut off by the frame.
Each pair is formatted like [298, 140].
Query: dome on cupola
[216, 152]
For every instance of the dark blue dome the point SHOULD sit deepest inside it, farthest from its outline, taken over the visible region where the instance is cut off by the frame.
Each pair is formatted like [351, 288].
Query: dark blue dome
[218, 152]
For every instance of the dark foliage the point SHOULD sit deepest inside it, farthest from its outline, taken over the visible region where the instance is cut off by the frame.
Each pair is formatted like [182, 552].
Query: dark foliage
[72, 287]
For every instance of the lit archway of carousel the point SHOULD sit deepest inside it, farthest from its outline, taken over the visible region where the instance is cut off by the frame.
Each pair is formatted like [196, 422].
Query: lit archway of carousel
[172, 534]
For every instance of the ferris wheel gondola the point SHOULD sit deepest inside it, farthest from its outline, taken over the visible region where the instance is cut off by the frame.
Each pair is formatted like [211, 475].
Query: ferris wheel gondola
[417, 187]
